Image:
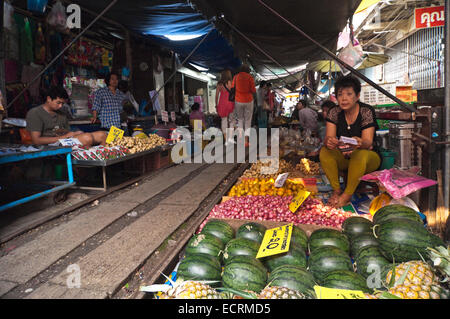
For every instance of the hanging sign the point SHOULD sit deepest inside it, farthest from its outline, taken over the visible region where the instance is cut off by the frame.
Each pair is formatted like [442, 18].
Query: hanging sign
[172, 116]
[114, 133]
[298, 200]
[276, 241]
[165, 116]
[332, 293]
[429, 17]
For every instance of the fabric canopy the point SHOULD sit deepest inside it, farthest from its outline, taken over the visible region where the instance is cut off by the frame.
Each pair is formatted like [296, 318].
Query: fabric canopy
[323, 20]
[156, 19]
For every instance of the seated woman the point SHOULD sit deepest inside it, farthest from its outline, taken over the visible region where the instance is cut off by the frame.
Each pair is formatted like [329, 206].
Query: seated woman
[47, 124]
[355, 120]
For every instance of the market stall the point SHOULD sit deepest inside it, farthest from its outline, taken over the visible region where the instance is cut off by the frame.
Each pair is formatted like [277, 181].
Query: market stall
[141, 155]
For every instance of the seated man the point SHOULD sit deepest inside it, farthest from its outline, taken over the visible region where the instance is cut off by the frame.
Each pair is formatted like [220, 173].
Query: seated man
[47, 124]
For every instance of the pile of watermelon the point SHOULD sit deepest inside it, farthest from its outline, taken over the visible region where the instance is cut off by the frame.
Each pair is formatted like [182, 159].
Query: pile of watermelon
[330, 258]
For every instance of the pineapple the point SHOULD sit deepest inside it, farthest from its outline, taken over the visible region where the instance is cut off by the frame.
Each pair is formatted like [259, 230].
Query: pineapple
[280, 293]
[441, 259]
[191, 290]
[415, 272]
[417, 291]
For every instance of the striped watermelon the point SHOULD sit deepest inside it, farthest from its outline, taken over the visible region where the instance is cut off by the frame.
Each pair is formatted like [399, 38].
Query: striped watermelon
[396, 211]
[299, 237]
[205, 244]
[293, 277]
[345, 279]
[369, 261]
[252, 231]
[220, 229]
[244, 273]
[403, 240]
[356, 225]
[295, 256]
[328, 237]
[361, 241]
[199, 267]
[327, 259]
[241, 246]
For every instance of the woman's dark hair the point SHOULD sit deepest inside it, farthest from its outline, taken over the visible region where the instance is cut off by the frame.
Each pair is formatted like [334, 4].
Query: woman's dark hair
[108, 77]
[245, 68]
[195, 107]
[328, 104]
[347, 82]
[57, 92]
[305, 104]
[262, 83]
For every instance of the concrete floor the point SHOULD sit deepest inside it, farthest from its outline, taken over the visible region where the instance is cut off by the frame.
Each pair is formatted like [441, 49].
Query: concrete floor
[91, 252]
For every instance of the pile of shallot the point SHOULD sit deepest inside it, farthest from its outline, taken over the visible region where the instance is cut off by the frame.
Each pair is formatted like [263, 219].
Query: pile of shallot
[276, 208]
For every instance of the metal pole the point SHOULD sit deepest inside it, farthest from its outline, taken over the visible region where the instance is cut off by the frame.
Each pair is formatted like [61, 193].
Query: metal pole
[446, 180]
[266, 54]
[333, 56]
[2, 55]
[62, 52]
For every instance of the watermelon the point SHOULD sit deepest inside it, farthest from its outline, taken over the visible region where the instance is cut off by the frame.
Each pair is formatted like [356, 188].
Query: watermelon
[327, 259]
[252, 231]
[299, 237]
[244, 273]
[361, 241]
[200, 267]
[355, 225]
[293, 277]
[247, 259]
[295, 256]
[328, 237]
[241, 246]
[403, 240]
[205, 244]
[370, 260]
[220, 229]
[396, 211]
[345, 279]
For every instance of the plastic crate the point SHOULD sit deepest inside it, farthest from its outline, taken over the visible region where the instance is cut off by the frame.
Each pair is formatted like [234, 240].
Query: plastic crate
[372, 96]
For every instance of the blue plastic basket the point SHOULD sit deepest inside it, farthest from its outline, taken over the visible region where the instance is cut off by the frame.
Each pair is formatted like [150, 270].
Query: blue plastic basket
[37, 5]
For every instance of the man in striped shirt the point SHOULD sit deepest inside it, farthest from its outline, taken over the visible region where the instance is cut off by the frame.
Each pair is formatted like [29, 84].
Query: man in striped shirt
[108, 103]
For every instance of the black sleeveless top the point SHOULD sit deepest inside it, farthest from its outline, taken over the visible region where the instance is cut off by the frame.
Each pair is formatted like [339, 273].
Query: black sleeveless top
[366, 118]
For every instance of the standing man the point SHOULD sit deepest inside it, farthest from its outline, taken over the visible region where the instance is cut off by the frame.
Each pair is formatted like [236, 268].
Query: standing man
[108, 103]
[307, 117]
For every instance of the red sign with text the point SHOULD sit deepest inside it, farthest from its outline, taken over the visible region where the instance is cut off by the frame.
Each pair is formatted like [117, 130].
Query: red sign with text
[429, 17]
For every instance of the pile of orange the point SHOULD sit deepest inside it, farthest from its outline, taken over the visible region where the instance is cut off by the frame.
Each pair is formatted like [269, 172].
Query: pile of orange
[263, 187]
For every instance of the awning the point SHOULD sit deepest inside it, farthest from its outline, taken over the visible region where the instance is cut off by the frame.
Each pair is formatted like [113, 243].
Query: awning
[321, 19]
[156, 18]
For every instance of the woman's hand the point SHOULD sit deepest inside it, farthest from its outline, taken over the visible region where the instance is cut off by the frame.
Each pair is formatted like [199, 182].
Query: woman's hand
[359, 140]
[331, 142]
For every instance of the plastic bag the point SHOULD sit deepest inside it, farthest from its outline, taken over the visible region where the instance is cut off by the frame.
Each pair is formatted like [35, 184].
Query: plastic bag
[57, 16]
[399, 183]
[352, 55]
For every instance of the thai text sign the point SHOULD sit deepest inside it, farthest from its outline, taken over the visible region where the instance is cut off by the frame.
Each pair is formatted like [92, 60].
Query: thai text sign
[429, 17]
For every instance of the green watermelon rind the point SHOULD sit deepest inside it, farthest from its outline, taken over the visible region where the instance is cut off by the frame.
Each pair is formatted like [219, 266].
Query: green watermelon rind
[244, 275]
[295, 256]
[395, 211]
[370, 255]
[361, 241]
[345, 279]
[293, 277]
[328, 237]
[205, 244]
[327, 259]
[356, 225]
[220, 229]
[240, 246]
[252, 231]
[199, 267]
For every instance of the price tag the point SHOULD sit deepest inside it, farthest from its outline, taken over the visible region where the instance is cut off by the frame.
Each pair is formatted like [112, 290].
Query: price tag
[172, 116]
[165, 116]
[298, 200]
[331, 293]
[281, 179]
[276, 241]
[114, 133]
[70, 142]
[348, 140]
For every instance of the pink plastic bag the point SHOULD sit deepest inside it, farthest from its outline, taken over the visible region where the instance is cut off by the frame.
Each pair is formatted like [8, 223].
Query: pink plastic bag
[399, 183]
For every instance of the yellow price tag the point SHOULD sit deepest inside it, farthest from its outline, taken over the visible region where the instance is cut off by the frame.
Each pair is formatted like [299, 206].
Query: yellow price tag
[114, 133]
[276, 241]
[298, 200]
[331, 293]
